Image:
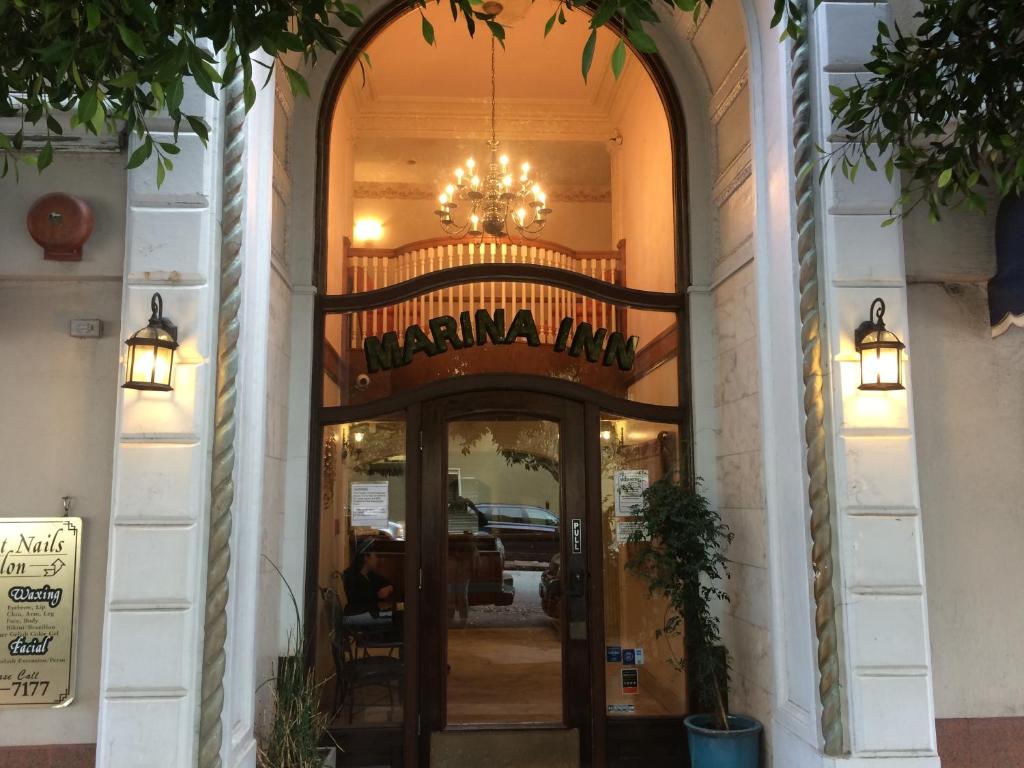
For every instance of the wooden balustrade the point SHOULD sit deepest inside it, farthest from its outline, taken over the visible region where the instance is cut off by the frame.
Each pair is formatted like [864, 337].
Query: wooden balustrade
[367, 269]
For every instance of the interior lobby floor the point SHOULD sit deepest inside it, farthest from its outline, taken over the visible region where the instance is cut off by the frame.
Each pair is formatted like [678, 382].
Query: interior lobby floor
[505, 675]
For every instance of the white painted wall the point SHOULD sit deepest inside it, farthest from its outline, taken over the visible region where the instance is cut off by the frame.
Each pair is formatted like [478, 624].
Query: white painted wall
[57, 398]
[642, 210]
[969, 408]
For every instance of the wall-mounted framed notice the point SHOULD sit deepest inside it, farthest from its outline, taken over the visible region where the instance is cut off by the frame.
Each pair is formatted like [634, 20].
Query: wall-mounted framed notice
[39, 579]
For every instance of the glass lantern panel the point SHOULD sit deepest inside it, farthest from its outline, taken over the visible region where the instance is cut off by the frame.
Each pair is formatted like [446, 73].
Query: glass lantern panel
[880, 366]
[162, 365]
[142, 363]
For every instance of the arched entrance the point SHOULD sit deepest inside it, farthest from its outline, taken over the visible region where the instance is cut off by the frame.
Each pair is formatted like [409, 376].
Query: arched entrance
[565, 358]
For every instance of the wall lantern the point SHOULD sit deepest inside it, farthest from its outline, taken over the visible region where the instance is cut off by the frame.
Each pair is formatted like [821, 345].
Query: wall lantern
[151, 352]
[881, 352]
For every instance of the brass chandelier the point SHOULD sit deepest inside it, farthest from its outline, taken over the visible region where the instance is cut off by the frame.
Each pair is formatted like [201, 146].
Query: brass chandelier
[496, 201]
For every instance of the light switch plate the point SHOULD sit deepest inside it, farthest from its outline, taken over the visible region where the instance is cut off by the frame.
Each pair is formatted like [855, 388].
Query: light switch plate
[86, 329]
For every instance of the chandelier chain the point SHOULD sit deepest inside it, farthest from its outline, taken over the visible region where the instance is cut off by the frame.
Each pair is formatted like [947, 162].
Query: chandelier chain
[494, 133]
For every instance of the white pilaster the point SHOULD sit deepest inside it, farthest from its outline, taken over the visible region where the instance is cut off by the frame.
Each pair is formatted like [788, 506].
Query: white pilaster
[155, 572]
[881, 589]
[242, 676]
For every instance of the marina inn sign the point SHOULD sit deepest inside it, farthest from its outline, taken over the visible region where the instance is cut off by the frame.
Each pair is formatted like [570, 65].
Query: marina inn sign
[482, 327]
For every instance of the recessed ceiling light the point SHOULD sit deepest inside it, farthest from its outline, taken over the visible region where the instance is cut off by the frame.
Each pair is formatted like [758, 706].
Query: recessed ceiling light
[410, 161]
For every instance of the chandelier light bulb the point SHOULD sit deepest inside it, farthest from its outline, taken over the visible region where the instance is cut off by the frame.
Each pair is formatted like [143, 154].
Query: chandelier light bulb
[450, 190]
[507, 181]
[503, 160]
[522, 215]
[471, 164]
[442, 199]
[476, 182]
[526, 168]
[458, 175]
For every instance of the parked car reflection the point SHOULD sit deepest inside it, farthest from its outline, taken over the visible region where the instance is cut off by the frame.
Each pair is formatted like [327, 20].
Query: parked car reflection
[528, 533]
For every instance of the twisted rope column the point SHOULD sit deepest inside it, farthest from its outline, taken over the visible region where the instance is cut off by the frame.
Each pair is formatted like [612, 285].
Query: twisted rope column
[215, 626]
[804, 155]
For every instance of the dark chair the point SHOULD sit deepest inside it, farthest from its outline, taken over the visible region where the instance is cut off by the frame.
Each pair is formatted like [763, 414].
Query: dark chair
[354, 666]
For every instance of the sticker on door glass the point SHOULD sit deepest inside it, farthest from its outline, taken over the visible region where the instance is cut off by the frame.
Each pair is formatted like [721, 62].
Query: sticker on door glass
[369, 504]
[638, 655]
[624, 530]
[621, 709]
[629, 657]
[631, 681]
[577, 536]
[613, 654]
[630, 485]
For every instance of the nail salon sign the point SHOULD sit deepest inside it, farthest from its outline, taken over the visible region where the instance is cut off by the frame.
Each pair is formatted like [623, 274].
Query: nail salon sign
[39, 579]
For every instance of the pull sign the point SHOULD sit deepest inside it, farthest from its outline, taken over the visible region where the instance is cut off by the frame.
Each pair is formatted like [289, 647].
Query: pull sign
[577, 537]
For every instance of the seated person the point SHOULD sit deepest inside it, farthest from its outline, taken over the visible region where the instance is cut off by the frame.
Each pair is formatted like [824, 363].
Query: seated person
[365, 589]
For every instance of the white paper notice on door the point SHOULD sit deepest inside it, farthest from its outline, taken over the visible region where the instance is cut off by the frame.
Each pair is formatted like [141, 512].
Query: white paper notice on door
[369, 504]
[630, 485]
[624, 530]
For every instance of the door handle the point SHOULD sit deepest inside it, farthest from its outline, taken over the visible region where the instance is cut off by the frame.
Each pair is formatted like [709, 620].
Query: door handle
[576, 586]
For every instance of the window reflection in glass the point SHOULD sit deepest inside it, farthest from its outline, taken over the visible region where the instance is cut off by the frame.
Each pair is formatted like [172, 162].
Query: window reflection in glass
[361, 574]
[634, 454]
[504, 644]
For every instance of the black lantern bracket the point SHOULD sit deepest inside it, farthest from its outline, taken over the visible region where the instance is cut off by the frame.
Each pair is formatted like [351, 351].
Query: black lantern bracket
[876, 322]
[157, 319]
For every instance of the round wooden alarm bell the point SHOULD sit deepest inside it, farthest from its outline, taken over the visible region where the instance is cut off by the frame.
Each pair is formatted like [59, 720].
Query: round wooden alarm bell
[61, 224]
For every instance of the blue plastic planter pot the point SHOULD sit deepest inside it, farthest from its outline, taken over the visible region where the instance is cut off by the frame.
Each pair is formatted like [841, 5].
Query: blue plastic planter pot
[739, 747]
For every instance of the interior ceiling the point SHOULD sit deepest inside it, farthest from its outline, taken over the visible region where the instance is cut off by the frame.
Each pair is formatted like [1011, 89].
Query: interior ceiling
[531, 68]
[433, 160]
[424, 109]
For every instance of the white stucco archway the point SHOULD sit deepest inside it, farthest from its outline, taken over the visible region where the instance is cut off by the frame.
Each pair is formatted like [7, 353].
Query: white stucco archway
[887, 694]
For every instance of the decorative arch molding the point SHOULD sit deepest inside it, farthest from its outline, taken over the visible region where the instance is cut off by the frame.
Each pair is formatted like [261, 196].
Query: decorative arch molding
[809, 304]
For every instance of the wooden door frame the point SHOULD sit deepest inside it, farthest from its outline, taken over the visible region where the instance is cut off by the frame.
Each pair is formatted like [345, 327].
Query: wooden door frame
[577, 670]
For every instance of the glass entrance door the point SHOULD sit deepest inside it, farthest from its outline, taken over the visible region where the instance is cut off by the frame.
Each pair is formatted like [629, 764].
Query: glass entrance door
[504, 601]
[504, 635]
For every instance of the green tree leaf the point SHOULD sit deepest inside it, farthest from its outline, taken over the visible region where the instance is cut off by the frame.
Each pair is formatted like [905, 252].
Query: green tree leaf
[588, 53]
[641, 40]
[297, 82]
[132, 40]
[619, 58]
[141, 153]
[428, 30]
[45, 156]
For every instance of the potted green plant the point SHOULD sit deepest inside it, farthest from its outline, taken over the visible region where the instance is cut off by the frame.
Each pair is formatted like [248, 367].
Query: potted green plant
[297, 730]
[682, 556]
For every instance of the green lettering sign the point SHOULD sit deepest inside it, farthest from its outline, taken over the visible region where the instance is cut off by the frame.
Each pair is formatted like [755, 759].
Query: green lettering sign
[480, 327]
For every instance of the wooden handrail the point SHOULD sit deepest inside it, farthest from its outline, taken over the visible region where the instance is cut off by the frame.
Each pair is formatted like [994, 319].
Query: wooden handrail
[434, 242]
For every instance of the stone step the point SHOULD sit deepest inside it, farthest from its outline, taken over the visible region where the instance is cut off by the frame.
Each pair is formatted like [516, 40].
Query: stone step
[540, 748]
